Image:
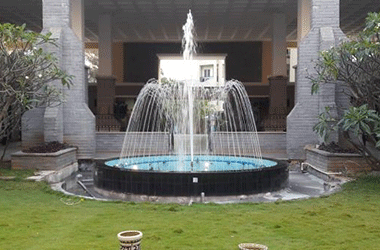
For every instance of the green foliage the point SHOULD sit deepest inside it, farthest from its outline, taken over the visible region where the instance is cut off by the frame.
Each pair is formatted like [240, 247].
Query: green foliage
[360, 120]
[354, 63]
[326, 124]
[372, 24]
[25, 72]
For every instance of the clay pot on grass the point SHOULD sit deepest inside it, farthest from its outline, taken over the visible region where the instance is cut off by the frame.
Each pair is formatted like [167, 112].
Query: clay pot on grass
[130, 240]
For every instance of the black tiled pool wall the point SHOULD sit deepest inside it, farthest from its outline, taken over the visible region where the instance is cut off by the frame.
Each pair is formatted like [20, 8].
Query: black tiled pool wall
[156, 183]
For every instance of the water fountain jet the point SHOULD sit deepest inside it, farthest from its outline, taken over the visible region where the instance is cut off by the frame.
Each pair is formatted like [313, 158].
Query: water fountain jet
[183, 139]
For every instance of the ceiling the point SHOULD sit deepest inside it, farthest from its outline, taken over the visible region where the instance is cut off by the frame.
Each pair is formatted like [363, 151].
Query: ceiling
[162, 20]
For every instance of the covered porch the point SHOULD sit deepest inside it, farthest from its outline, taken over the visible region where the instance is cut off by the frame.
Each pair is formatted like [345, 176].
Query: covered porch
[263, 41]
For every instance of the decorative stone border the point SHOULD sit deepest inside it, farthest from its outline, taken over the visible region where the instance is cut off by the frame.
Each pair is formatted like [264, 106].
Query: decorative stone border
[335, 163]
[44, 161]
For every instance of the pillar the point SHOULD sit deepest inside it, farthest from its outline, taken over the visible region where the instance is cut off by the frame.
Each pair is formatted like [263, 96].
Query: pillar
[77, 17]
[72, 120]
[278, 96]
[105, 78]
[279, 45]
[303, 19]
[324, 33]
[278, 81]
[105, 45]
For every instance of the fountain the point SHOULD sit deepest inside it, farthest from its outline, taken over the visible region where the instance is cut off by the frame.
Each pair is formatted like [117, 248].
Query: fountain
[184, 139]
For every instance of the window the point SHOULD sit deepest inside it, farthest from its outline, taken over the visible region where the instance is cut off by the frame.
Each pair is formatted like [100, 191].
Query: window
[206, 73]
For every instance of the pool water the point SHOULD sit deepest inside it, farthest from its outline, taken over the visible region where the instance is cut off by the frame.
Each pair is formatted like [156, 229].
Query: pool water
[201, 163]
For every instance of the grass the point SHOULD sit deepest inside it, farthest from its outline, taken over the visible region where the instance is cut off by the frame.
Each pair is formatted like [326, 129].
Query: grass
[34, 217]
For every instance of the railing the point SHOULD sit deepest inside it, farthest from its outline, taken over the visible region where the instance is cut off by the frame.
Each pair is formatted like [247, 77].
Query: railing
[273, 122]
[107, 123]
[270, 122]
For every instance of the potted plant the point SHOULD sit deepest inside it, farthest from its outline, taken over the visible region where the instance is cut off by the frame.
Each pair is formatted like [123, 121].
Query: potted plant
[50, 156]
[130, 240]
[57, 160]
[360, 126]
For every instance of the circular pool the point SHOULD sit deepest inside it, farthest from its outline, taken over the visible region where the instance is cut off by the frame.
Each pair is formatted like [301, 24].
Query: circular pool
[170, 176]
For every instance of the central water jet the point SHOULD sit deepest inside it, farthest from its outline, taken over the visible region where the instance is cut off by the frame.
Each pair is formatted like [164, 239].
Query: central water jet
[188, 44]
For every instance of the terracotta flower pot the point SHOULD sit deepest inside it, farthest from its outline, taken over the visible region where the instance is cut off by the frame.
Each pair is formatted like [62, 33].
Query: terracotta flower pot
[130, 240]
[252, 246]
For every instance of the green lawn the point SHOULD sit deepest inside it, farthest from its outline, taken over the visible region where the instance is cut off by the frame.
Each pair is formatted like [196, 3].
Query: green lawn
[33, 217]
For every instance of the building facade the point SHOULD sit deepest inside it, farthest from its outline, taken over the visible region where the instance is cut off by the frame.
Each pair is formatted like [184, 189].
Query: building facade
[255, 38]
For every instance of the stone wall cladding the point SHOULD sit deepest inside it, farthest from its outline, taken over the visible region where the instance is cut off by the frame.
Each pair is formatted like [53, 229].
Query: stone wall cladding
[224, 143]
[56, 13]
[79, 122]
[53, 117]
[272, 141]
[146, 143]
[300, 121]
[53, 124]
[44, 161]
[113, 141]
[109, 141]
[73, 122]
[32, 128]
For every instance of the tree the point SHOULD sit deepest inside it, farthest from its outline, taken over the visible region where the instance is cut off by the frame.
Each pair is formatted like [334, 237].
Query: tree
[25, 72]
[355, 63]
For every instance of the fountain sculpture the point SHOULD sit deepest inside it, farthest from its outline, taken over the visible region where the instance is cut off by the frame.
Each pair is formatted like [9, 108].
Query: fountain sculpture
[183, 139]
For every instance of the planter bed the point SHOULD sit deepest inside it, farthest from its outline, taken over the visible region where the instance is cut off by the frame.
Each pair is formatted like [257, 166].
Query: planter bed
[44, 161]
[335, 162]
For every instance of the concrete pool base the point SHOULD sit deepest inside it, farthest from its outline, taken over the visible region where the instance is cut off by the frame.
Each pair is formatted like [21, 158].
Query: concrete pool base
[301, 185]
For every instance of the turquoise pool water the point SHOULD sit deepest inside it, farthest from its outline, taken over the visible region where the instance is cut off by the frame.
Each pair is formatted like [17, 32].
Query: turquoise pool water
[201, 163]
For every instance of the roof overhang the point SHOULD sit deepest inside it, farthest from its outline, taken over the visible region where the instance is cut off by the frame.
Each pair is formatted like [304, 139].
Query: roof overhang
[162, 20]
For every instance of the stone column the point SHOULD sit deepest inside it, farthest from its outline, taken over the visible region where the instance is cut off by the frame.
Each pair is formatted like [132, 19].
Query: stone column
[105, 94]
[278, 95]
[77, 17]
[105, 45]
[72, 120]
[324, 33]
[279, 45]
[105, 78]
[304, 19]
[278, 80]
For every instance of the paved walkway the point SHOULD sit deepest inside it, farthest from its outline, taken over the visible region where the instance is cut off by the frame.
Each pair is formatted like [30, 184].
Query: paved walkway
[301, 185]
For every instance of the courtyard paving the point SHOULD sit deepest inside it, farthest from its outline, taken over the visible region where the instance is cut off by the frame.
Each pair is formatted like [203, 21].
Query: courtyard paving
[302, 185]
